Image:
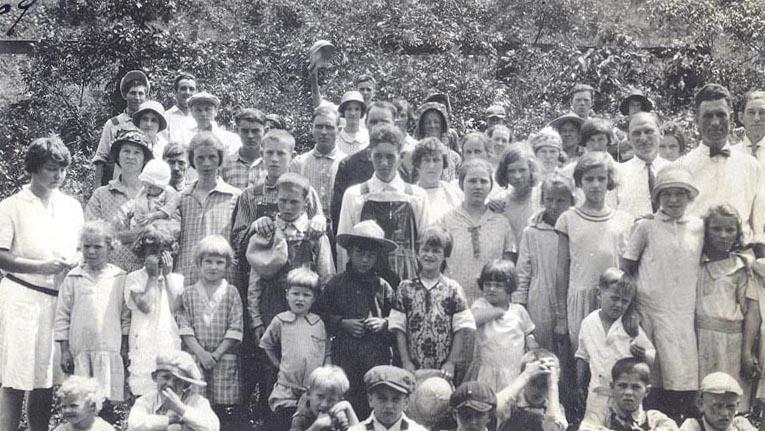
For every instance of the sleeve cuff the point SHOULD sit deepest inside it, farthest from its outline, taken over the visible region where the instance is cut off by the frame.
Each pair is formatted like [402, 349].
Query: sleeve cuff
[463, 320]
[186, 331]
[233, 334]
[397, 321]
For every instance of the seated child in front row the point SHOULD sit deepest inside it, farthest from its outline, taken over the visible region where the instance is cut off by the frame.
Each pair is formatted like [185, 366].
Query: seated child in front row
[81, 399]
[505, 331]
[322, 408]
[531, 401]
[430, 316]
[388, 389]
[607, 335]
[296, 344]
[718, 401]
[210, 325]
[92, 320]
[174, 403]
[630, 382]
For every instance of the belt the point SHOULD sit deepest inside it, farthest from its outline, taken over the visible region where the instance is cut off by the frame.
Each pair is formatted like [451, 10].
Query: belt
[726, 326]
[28, 285]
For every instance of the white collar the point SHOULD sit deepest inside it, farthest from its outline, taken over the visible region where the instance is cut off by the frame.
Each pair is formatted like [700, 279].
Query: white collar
[377, 185]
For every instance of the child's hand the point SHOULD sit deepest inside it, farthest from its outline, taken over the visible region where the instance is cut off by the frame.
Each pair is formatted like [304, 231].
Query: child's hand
[67, 362]
[497, 313]
[166, 262]
[206, 359]
[263, 226]
[173, 402]
[637, 351]
[497, 205]
[375, 324]
[536, 368]
[340, 413]
[355, 327]
[322, 421]
[750, 369]
[448, 370]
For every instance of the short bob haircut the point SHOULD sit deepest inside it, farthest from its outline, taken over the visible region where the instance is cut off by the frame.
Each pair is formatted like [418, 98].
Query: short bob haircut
[250, 114]
[99, 228]
[592, 160]
[429, 147]
[205, 139]
[724, 210]
[159, 234]
[173, 149]
[329, 377]
[181, 76]
[558, 182]
[631, 365]
[482, 138]
[304, 277]
[596, 126]
[385, 133]
[279, 136]
[670, 128]
[502, 271]
[213, 245]
[83, 388]
[436, 236]
[709, 93]
[511, 156]
[325, 111]
[293, 181]
[47, 149]
[475, 164]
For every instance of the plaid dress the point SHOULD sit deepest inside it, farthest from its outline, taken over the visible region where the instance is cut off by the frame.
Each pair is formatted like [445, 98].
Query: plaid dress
[199, 219]
[210, 320]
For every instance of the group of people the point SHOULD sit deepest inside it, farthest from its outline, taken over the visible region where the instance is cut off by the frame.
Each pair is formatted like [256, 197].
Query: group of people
[585, 276]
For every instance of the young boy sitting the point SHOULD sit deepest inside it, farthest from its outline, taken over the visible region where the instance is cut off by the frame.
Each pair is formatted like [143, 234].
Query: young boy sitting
[273, 254]
[629, 385]
[355, 306]
[531, 401]
[718, 400]
[388, 390]
[322, 408]
[296, 343]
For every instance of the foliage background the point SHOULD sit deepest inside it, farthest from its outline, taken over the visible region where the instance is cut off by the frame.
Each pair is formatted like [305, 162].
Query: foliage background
[525, 54]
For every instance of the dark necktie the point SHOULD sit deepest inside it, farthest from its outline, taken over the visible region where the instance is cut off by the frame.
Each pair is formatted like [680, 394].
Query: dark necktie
[719, 152]
[651, 184]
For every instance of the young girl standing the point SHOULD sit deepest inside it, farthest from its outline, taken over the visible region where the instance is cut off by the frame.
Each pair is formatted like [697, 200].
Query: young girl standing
[519, 173]
[153, 295]
[505, 330]
[538, 258]
[430, 316]
[210, 324]
[664, 252]
[721, 299]
[91, 317]
[591, 239]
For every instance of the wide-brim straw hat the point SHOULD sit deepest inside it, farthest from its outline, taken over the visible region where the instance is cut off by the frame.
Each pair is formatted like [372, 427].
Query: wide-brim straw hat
[131, 136]
[181, 365]
[351, 96]
[567, 117]
[133, 75]
[645, 102]
[204, 97]
[367, 231]
[151, 106]
[674, 177]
